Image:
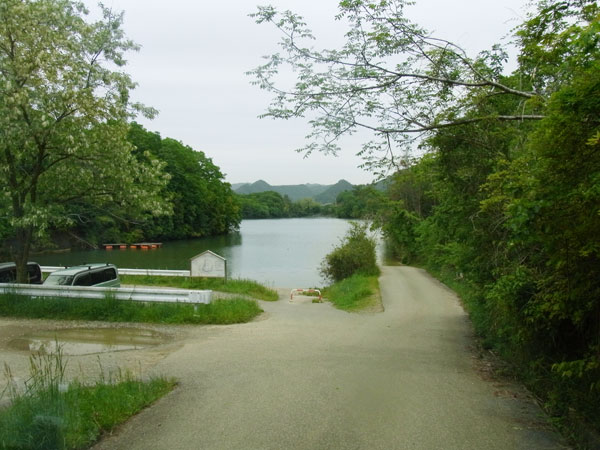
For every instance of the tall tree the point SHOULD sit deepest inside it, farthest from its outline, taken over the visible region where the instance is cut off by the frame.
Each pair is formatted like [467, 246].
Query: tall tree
[203, 203]
[64, 104]
[390, 77]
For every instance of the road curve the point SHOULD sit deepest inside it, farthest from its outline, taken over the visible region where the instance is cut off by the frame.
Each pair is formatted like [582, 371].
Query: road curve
[307, 376]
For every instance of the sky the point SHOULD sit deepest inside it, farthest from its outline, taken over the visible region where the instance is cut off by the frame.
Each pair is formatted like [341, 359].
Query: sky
[192, 65]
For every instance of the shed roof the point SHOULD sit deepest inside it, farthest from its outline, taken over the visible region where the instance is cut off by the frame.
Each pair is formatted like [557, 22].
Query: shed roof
[207, 252]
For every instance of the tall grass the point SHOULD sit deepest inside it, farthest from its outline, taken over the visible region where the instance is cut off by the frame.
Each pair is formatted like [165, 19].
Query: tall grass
[358, 292]
[242, 287]
[111, 310]
[50, 414]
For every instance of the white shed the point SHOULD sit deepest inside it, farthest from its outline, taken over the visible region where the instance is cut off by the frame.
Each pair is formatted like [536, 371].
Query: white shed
[208, 264]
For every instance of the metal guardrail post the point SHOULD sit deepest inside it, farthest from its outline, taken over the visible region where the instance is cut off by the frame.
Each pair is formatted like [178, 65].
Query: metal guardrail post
[150, 272]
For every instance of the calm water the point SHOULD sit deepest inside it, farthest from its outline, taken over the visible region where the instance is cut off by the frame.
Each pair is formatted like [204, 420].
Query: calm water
[277, 252]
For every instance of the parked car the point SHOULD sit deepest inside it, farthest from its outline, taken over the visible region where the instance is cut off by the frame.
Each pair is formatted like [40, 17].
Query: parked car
[97, 274]
[8, 273]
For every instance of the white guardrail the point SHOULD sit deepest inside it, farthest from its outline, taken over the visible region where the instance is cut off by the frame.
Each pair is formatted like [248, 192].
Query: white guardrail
[123, 293]
[152, 272]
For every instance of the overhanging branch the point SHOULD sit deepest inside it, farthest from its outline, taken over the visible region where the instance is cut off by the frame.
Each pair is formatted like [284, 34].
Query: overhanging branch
[454, 123]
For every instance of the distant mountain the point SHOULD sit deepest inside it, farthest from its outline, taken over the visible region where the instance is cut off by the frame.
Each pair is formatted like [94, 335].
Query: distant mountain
[319, 192]
[257, 186]
[330, 194]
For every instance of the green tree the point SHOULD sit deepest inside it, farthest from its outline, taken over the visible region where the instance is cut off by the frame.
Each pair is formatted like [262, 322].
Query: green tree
[363, 202]
[356, 254]
[265, 205]
[203, 203]
[64, 106]
[390, 77]
[305, 207]
[548, 199]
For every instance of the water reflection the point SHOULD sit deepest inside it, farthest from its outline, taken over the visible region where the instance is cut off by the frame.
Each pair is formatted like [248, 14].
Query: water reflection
[86, 341]
[277, 252]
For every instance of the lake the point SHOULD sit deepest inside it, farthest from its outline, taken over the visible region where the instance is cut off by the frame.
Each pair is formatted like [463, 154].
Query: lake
[276, 252]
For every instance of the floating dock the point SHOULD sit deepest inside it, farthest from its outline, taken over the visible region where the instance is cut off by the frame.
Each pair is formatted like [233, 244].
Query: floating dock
[137, 245]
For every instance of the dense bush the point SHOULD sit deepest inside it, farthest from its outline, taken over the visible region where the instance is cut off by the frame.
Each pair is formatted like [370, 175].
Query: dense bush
[355, 255]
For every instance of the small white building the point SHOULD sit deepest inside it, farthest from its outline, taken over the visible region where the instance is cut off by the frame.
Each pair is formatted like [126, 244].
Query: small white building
[209, 265]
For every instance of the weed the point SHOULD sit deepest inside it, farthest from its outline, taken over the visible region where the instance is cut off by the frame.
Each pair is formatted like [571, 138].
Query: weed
[51, 414]
[111, 310]
[355, 293]
[242, 287]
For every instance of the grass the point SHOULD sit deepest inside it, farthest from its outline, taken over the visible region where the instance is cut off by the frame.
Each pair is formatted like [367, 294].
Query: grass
[242, 287]
[356, 293]
[50, 414]
[111, 310]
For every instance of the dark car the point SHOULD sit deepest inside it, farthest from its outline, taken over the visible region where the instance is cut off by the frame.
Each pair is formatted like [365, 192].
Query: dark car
[8, 273]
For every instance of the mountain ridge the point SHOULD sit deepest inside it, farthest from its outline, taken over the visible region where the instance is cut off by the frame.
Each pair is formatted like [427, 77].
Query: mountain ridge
[322, 193]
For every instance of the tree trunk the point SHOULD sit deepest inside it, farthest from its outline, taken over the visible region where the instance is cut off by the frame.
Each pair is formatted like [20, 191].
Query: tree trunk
[20, 252]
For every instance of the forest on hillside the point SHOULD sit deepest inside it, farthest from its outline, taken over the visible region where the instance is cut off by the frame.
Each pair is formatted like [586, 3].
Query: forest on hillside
[199, 202]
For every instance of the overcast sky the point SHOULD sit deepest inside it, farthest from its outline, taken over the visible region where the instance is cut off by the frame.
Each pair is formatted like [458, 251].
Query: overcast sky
[192, 65]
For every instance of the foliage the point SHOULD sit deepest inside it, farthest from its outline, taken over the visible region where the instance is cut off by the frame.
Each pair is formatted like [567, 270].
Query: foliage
[390, 77]
[203, 203]
[64, 107]
[355, 255]
[242, 287]
[355, 293]
[363, 202]
[111, 310]
[272, 205]
[265, 205]
[53, 415]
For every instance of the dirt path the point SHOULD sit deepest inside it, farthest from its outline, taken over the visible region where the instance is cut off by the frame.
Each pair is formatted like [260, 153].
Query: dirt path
[308, 376]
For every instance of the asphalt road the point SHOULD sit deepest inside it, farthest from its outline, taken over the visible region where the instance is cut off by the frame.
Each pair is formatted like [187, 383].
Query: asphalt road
[307, 376]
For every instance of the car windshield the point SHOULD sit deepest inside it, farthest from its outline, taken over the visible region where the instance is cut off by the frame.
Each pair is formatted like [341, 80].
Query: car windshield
[59, 280]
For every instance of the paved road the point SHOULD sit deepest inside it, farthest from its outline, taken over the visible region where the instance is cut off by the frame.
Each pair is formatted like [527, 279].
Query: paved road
[308, 376]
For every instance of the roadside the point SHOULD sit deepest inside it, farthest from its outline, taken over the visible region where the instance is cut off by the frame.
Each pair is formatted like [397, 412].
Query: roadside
[89, 366]
[313, 377]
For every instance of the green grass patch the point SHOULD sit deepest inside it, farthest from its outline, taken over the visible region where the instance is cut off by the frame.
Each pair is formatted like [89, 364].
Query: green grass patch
[356, 293]
[51, 415]
[242, 287]
[111, 310]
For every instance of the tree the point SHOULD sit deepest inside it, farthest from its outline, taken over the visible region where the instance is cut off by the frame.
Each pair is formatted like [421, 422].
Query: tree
[264, 205]
[203, 203]
[64, 106]
[363, 202]
[390, 77]
[356, 254]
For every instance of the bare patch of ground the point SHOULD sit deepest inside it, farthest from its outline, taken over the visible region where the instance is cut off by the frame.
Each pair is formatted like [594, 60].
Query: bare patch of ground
[87, 367]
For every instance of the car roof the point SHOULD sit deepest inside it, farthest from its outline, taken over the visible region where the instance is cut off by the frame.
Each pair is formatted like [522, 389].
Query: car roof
[73, 270]
[12, 264]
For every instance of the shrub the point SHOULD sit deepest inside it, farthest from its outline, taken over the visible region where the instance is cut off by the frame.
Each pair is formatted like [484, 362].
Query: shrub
[356, 293]
[355, 255]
